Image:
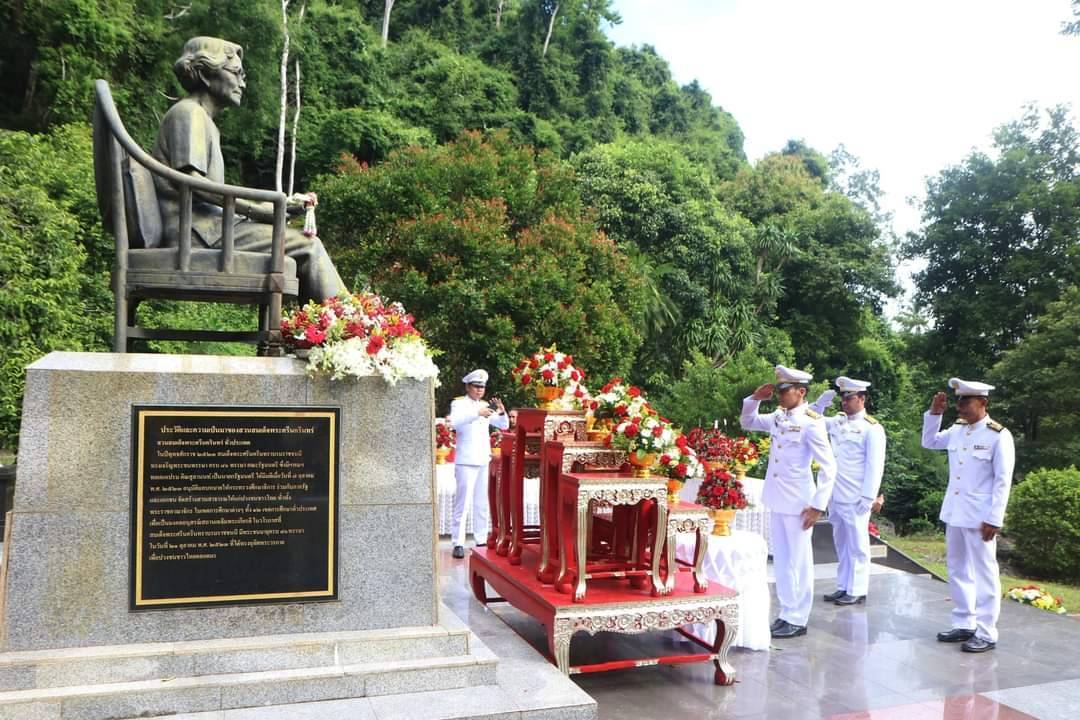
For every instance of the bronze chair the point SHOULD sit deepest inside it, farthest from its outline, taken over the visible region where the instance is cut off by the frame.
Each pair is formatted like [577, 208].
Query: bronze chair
[124, 178]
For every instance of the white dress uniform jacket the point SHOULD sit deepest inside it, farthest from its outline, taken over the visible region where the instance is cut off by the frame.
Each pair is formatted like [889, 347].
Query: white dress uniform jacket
[859, 445]
[798, 436]
[473, 446]
[981, 459]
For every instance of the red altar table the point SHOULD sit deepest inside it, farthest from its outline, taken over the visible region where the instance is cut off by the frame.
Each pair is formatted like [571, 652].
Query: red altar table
[611, 607]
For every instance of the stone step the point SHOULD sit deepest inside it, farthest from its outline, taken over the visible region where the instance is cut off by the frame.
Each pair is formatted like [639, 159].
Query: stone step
[133, 663]
[227, 691]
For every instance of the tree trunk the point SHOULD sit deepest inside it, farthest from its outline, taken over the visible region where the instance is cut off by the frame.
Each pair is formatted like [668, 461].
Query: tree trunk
[551, 26]
[386, 21]
[284, 95]
[296, 116]
[498, 14]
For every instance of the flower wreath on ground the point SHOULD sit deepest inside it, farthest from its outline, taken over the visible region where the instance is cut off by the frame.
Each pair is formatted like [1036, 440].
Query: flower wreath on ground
[1037, 597]
[721, 491]
[357, 335]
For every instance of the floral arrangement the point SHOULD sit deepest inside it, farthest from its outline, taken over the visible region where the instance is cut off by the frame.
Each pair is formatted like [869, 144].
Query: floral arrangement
[680, 462]
[721, 491]
[872, 528]
[445, 437]
[618, 400]
[1036, 596]
[643, 435]
[357, 335]
[547, 368]
[711, 445]
[744, 452]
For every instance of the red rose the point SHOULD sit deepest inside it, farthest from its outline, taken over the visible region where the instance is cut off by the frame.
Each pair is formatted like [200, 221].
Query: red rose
[579, 393]
[620, 409]
[375, 344]
[681, 442]
[606, 388]
[633, 392]
[548, 357]
[526, 379]
[681, 470]
[665, 459]
[547, 374]
[658, 430]
[631, 430]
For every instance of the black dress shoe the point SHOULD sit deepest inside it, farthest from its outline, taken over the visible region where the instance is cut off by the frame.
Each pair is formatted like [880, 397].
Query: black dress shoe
[777, 624]
[977, 645]
[834, 596]
[789, 630]
[846, 599]
[459, 552]
[955, 635]
[483, 544]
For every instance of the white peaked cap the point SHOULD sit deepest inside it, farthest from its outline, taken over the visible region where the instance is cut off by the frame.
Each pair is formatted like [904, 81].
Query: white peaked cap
[970, 387]
[791, 375]
[476, 377]
[846, 385]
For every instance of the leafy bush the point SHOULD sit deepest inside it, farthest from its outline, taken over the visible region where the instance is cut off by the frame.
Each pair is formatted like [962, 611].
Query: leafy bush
[1043, 522]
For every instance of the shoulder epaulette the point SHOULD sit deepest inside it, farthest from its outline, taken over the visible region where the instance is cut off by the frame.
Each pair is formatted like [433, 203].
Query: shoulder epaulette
[461, 397]
[872, 420]
[961, 422]
[995, 426]
[814, 414]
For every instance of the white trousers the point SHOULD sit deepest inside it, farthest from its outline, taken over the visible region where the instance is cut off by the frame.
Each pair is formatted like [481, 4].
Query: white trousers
[851, 536]
[472, 486]
[793, 564]
[974, 580]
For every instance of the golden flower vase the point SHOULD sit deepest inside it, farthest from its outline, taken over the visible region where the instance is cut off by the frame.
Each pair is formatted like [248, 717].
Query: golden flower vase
[441, 454]
[546, 395]
[722, 520]
[641, 466]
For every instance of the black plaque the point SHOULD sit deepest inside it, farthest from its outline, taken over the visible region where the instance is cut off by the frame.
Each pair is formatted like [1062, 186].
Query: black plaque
[233, 505]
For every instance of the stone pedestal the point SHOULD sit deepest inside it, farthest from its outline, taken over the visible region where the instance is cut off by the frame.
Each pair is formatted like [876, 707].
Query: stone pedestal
[69, 639]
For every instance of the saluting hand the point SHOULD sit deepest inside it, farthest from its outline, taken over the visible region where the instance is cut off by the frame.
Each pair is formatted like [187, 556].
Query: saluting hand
[499, 403]
[764, 392]
[939, 404]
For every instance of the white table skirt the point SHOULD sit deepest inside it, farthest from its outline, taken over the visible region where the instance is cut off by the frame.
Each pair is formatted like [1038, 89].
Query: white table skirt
[754, 518]
[446, 487]
[738, 561]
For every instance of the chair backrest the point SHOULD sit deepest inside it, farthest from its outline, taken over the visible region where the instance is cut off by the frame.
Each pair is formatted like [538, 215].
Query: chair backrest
[138, 202]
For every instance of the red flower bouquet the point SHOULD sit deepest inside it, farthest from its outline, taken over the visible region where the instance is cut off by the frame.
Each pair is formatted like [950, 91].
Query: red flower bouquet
[721, 491]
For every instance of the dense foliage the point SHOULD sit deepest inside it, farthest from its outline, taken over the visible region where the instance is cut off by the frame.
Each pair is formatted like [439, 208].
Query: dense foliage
[1043, 522]
[516, 180]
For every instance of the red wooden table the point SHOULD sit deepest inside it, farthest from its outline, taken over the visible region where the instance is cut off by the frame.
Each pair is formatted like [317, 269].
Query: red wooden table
[611, 607]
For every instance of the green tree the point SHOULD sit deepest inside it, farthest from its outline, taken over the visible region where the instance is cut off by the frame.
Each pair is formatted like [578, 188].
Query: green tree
[492, 250]
[1034, 378]
[1000, 241]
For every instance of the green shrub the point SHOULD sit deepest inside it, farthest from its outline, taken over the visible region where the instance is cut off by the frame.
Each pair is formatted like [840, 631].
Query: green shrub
[920, 526]
[1043, 522]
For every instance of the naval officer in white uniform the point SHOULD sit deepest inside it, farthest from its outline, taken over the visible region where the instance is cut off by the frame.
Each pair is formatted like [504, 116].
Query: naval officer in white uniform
[798, 437]
[981, 458]
[471, 416]
[858, 441]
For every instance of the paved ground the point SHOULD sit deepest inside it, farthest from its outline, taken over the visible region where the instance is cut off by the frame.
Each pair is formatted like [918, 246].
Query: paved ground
[879, 661]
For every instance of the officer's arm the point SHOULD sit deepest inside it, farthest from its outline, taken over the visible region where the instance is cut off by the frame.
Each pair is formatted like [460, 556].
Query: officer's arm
[461, 414]
[821, 451]
[875, 462]
[933, 437]
[750, 418]
[500, 420]
[1003, 462]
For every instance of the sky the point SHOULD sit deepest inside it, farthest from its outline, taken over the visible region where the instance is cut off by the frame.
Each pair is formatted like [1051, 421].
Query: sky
[908, 87]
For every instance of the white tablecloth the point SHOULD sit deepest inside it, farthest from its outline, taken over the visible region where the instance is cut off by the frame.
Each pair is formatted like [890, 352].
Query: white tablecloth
[446, 487]
[754, 518]
[738, 561]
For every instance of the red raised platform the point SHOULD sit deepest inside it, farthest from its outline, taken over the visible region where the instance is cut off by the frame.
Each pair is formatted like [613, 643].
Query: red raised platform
[611, 605]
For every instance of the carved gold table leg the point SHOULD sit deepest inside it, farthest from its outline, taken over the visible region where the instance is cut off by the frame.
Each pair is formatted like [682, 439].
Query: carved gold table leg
[658, 586]
[727, 626]
[669, 557]
[701, 545]
[581, 549]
